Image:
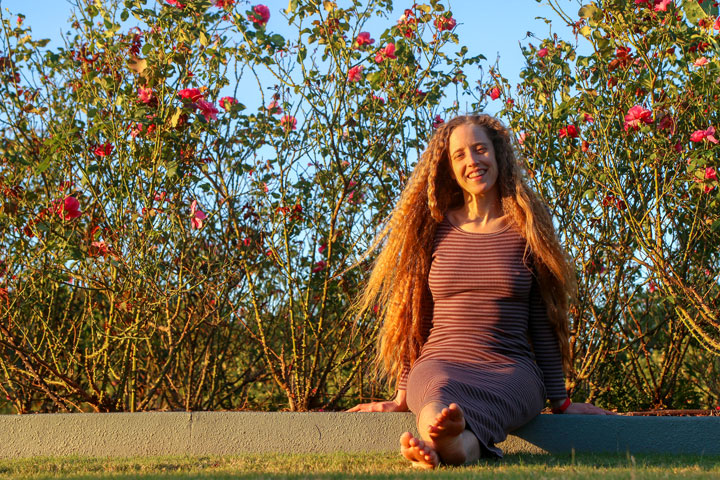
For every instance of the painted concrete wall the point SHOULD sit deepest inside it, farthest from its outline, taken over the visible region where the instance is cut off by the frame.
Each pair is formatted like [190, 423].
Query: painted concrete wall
[205, 433]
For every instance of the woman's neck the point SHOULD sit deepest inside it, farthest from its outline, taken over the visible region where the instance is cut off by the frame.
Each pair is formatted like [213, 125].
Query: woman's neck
[480, 209]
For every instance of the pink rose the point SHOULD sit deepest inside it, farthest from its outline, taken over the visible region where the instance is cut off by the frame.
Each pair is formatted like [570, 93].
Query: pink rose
[666, 123]
[260, 15]
[355, 73]
[176, 3]
[103, 150]
[701, 62]
[710, 173]
[700, 135]
[136, 130]
[661, 5]
[387, 52]
[288, 122]
[145, 95]
[208, 110]
[445, 23]
[69, 209]
[635, 116]
[99, 248]
[274, 108]
[495, 93]
[197, 215]
[191, 94]
[319, 266]
[364, 39]
[543, 52]
[588, 118]
[437, 121]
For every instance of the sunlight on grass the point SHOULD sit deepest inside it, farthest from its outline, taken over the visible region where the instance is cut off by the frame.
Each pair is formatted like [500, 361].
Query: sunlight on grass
[377, 466]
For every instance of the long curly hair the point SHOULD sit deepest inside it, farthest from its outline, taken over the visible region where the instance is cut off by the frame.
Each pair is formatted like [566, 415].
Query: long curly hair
[399, 277]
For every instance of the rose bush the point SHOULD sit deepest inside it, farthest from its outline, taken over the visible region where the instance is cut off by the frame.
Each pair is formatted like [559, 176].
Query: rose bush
[621, 142]
[185, 191]
[175, 239]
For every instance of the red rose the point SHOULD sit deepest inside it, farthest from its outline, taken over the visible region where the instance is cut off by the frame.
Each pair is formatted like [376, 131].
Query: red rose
[288, 122]
[355, 73]
[635, 116]
[69, 209]
[103, 150]
[260, 15]
[192, 94]
[364, 39]
[445, 23]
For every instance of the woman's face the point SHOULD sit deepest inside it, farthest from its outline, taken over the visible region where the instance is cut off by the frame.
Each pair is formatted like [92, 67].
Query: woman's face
[472, 161]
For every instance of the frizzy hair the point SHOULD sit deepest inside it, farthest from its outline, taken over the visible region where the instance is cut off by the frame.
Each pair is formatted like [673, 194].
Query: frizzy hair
[398, 281]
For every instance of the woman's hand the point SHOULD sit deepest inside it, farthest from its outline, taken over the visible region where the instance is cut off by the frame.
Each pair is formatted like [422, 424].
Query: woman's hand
[587, 409]
[397, 404]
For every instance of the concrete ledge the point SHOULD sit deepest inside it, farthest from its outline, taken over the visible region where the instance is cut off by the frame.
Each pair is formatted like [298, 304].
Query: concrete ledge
[231, 433]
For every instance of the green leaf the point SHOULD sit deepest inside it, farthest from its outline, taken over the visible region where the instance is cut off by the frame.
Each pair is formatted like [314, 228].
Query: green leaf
[171, 169]
[124, 15]
[693, 11]
[591, 12]
[176, 116]
[277, 40]
[292, 6]
[146, 48]
[203, 39]
[42, 166]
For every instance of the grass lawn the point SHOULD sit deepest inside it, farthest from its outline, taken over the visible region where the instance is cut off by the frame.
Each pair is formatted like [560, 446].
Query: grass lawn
[377, 466]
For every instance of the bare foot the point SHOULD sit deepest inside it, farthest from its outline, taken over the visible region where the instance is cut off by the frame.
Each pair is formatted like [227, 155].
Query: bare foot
[420, 454]
[446, 435]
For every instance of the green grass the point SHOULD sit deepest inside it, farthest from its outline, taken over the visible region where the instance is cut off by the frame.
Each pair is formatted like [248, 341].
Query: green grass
[376, 466]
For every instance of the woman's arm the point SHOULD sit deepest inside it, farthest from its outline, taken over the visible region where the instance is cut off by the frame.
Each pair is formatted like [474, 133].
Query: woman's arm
[549, 359]
[545, 345]
[397, 404]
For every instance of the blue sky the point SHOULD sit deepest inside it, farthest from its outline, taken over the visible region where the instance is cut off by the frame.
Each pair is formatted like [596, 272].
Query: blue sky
[488, 27]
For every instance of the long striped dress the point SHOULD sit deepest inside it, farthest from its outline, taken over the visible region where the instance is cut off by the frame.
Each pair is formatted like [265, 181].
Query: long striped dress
[489, 346]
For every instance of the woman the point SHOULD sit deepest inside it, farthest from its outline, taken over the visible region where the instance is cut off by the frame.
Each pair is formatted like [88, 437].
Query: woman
[474, 289]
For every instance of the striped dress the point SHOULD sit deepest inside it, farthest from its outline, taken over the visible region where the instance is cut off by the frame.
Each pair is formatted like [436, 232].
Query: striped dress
[489, 346]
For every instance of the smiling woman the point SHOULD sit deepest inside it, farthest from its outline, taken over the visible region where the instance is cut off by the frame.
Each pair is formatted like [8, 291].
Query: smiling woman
[474, 288]
[474, 169]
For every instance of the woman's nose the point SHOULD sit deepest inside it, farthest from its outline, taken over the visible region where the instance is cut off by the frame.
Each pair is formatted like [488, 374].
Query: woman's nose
[475, 158]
